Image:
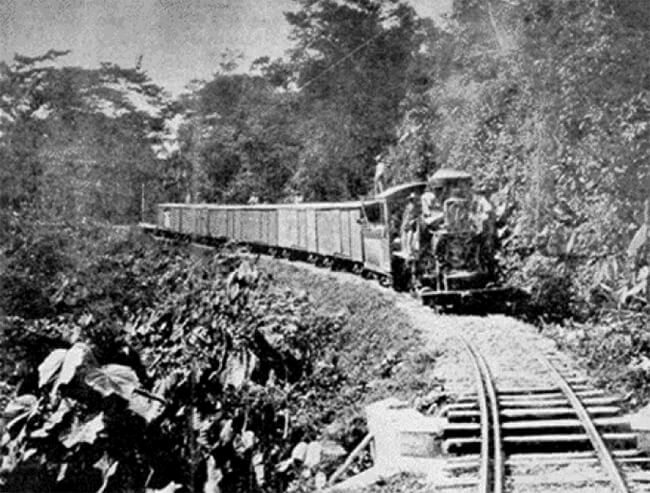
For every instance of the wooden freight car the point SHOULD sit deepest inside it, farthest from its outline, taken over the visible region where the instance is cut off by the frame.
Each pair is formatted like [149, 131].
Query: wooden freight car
[357, 234]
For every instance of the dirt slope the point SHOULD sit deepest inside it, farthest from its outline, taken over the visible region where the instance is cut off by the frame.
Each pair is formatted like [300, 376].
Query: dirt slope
[506, 343]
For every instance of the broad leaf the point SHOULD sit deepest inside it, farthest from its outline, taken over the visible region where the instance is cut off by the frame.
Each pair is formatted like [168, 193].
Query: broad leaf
[170, 488]
[258, 468]
[55, 419]
[320, 480]
[299, 452]
[21, 404]
[20, 409]
[244, 441]
[107, 466]
[313, 454]
[332, 449]
[76, 357]
[113, 379]
[226, 434]
[86, 433]
[62, 472]
[637, 242]
[148, 408]
[213, 476]
[50, 366]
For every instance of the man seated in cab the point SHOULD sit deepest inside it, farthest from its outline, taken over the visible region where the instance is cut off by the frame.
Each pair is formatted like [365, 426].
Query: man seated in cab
[460, 189]
[433, 217]
[432, 201]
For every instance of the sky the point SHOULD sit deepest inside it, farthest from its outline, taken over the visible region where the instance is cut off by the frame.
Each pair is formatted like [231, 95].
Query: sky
[179, 40]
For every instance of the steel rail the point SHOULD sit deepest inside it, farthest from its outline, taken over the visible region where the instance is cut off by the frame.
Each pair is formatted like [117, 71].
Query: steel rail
[488, 405]
[497, 444]
[602, 451]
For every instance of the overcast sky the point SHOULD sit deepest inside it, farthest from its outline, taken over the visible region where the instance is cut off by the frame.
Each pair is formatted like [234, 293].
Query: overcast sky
[179, 40]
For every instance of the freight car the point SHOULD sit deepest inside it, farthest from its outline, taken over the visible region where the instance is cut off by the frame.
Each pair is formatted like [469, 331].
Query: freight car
[444, 252]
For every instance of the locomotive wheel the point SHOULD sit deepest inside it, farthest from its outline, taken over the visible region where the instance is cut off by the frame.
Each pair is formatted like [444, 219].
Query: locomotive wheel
[386, 281]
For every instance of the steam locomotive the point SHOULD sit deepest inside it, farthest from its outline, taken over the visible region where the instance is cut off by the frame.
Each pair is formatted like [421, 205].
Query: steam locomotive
[435, 238]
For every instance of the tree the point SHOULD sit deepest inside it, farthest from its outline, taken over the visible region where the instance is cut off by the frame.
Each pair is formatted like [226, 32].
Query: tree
[547, 100]
[77, 142]
[239, 139]
[351, 64]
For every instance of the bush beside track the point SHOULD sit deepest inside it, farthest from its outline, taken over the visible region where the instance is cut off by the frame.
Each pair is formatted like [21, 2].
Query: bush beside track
[615, 347]
[248, 368]
[331, 343]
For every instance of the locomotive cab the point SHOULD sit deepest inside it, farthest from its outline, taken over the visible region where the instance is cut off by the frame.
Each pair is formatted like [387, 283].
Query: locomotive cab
[446, 255]
[380, 221]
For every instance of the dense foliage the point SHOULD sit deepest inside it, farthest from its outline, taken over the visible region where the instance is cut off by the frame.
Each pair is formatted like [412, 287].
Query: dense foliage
[546, 103]
[309, 125]
[616, 349]
[140, 366]
[77, 142]
[216, 374]
[148, 366]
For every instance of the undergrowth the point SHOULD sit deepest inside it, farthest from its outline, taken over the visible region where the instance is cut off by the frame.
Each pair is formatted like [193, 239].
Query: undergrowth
[615, 347]
[146, 367]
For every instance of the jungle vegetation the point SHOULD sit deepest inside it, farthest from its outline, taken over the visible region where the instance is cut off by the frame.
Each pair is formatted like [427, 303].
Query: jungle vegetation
[545, 102]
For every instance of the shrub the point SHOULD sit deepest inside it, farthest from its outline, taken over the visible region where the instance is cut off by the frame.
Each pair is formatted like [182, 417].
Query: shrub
[201, 373]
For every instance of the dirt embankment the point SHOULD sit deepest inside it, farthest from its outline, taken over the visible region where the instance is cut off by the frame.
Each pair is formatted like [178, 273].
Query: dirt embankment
[505, 342]
[381, 347]
[395, 323]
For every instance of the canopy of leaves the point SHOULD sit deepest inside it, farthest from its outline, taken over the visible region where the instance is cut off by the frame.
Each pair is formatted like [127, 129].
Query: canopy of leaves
[311, 124]
[76, 142]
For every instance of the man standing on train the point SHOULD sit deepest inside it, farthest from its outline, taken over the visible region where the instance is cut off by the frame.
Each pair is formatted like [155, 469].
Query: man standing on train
[378, 180]
[409, 226]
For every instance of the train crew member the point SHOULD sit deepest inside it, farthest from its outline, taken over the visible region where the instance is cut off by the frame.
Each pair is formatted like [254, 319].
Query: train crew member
[409, 225]
[461, 189]
[380, 169]
[431, 202]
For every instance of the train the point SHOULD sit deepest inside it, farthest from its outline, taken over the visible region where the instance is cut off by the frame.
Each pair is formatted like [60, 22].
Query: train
[436, 239]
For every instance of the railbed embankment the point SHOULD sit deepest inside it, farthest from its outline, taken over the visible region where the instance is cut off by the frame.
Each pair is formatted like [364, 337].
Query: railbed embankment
[507, 343]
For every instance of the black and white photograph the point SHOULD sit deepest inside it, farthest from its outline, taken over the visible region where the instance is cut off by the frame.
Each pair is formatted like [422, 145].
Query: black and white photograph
[354, 246]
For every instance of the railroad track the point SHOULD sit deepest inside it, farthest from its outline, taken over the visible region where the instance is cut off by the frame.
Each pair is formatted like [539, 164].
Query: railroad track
[562, 436]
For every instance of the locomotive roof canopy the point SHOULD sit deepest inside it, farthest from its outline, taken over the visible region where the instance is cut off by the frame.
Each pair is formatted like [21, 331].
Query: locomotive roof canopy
[404, 189]
[445, 175]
